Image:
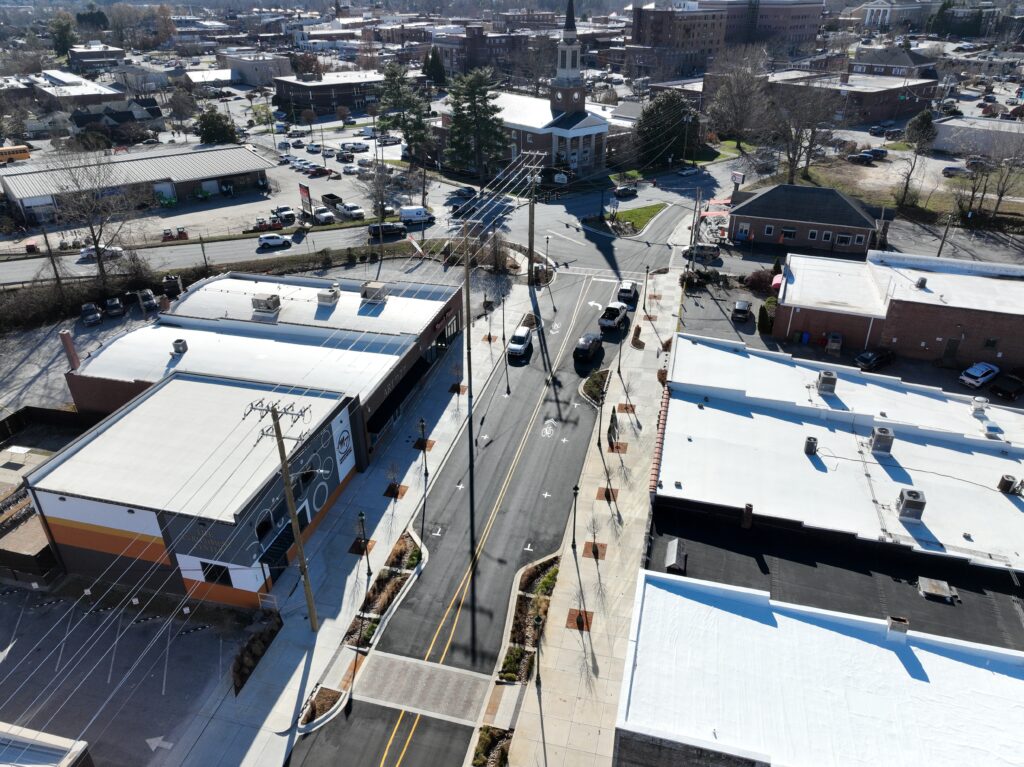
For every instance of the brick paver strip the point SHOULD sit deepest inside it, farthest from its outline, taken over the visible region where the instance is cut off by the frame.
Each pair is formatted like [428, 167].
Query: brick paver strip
[353, 666]
[625, 407]
[457, 388]
[357, 546]
[617, 447]
[607, 494]
[590, 549]
[418, 444]
[581, 620]
[488, 338]
[651, 317]
[654, 296]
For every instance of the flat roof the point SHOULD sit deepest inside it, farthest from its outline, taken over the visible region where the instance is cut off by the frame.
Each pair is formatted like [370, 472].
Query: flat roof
[981, 124]
[733, 409]
[183, 446]
[341, 78]
[855, 82]
[733, 671]
[208, 75]
[346, 362]
[408, 309]
[867, 287]
[66, 85]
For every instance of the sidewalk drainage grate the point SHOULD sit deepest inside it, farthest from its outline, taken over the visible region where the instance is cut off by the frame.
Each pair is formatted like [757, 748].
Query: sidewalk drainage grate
[419, 444]
[581, 620]
[458, 389]
[594, 550]
[624, 407]
[617, 447]
[359, 548]
[394, 490]
[607, 494]
[489, 339]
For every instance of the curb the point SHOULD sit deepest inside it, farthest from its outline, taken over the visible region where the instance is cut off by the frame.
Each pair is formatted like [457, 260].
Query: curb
[659, 214]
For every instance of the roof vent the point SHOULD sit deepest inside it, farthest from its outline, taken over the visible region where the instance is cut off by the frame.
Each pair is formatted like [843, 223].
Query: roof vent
[328, 297]
[811, 446]
[882, 438]
[675, 557]
[910, 504]
[1006, 483]
[979, 404]
[896, 628]
[827, 382]
[373, 291]
[266, 302]
[922, 283]
[179, 345]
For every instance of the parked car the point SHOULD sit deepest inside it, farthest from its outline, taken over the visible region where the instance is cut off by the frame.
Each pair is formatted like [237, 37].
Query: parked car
[464, 192]
[352, 211]
[741, 312]
[355, 146]
[861, 158]
[350, 170]
[701, 252]
[952, 171]
[415, 214]
[388, 210]
[91, 314]
[314, 148]
[873, 359]
[272, 241]
[894, 134]
[587, 347]
[365, 162]
[628, 292]
[343, 156]
[284, 145]
[614, 317]
[389, 140]
[286, 214]
[114, 307]
[624, 192]
[876, 130]
[148, 300]
[520, 342]
[298, 144]
[387, 229]
[318, 172]
[979, 374]
[328, 153]
[878, 153]
[689, 170]
[322, 215]
[1009, 386]
[110, 251]
[977, 162]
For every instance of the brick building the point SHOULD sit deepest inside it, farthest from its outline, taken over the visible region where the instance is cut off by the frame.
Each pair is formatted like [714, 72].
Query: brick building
[465, 48]
[671, 40]
[864, 98]
[805, 217]
[325, 93]
[795, 21]
[951, 311]
[257, 69]
[94, 57]
[892, 62]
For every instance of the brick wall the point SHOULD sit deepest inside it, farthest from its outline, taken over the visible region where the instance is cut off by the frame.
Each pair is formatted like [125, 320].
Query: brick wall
[803, 232]
[923, 331]
[858, 332]
[635, 750]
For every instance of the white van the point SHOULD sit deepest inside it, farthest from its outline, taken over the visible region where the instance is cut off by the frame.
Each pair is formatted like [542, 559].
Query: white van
[415, 214]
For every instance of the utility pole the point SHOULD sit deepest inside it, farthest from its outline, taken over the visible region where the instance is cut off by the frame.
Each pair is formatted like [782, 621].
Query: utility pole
[945, 232]
[426, 476]
[53, 263]
[202, 247]
[529, 240]
[286, 477]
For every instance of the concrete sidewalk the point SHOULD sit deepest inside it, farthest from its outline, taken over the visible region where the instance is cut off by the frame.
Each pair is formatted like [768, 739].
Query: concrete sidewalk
[258, 726]
[569, 709]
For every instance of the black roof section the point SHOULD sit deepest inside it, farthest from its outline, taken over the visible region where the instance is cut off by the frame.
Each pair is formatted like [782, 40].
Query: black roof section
[809, 204]
[570, 18]
[840, 572]
[892, 57]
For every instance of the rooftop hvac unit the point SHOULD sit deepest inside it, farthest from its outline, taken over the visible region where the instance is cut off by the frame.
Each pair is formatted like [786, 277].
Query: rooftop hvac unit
[266, 302]
[328, 297]
[811, 446]
[882, 438]
[179, 345]
[827, 382]
[1006, 483]
[910, 504]
[373, 291]
[922, 283]
[978, 404]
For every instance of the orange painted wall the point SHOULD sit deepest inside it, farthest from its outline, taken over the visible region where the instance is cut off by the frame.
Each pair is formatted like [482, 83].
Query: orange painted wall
[108, 540]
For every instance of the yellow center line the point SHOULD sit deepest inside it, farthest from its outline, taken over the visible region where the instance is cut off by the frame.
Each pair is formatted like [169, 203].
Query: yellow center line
[463, 587]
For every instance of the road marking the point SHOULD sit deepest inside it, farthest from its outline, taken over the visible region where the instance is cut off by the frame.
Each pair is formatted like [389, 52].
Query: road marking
[575, 404]
[437, 533]
[546, 494]
[484, 436]
[467, 576]
[595, 304]
[549, 429]
[458, 486]
[570, 239]
[158, 742]
[555, 328]
[606, 279]
[564, 440]
[528, 546]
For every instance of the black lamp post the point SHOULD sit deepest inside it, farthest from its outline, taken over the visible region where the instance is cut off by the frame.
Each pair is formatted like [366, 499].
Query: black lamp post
[426, 475]
[600, 412]
[575, 494]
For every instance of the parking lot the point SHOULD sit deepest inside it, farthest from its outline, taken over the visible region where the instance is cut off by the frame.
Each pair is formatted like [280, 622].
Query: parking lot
[61, 661]
[706, 312]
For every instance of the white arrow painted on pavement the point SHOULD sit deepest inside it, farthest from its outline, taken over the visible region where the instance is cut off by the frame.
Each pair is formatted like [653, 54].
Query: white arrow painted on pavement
[594, 304]
[546, 494]
[155, 743]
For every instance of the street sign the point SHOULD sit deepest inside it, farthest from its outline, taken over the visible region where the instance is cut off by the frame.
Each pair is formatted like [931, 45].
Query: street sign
[307, 204]
[738, 177]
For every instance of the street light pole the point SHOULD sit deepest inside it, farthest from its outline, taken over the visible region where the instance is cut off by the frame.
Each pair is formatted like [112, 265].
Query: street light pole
[600, 412]
[647, 271]
[575, 493]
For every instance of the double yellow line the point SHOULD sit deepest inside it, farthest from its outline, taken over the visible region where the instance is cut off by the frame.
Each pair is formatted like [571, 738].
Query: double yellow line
[467, 576]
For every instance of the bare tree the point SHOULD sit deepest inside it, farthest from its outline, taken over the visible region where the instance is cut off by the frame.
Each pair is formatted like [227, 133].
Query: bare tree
[798, 122]
[95, 198]
[736, 109]
[377, 186]
[1008, 173]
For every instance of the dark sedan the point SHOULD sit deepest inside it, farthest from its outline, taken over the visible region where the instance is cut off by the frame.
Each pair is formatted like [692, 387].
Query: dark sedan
[587, 347]
[874, 359]
[1009, 386]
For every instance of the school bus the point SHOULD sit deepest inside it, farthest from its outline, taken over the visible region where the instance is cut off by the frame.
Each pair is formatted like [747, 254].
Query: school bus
[12, 153]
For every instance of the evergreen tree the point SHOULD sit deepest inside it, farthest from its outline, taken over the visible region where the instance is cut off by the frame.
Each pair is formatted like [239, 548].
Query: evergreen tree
[668, 126]
[403, 109]
[214, 127]
[435, 68]
[476, 132]
[921, 130]
[62, 32]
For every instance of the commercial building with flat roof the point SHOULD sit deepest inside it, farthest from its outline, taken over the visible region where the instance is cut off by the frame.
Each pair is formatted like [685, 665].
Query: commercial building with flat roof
[94, 56]
[372, 341]
[723, 675]
[326, 92]
[180, 490]
[923, 307]
[831, 448]
[63, 90]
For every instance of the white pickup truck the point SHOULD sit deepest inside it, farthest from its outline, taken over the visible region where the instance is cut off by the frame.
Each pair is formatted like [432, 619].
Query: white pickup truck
[322, 215]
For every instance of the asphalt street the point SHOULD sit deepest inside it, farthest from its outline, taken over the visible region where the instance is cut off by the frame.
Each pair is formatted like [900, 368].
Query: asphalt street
[531, 448]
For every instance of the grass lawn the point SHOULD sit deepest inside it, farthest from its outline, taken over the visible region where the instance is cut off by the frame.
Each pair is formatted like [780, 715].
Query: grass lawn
[899, 146]
[641, 217]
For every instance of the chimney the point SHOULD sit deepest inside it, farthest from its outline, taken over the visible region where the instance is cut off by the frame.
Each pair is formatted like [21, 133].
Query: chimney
[69, 349]
[844, 78]
[748, 517]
